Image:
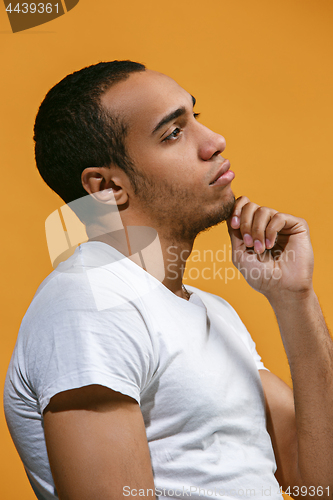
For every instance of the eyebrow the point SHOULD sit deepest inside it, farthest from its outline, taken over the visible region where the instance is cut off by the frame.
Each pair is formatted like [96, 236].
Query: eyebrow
[172, 116]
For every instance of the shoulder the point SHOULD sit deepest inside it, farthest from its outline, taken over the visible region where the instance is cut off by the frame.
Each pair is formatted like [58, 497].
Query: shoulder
[81, 301]
[94, 278]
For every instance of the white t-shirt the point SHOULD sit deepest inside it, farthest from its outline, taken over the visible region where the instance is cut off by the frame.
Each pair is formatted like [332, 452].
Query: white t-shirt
[191, 365]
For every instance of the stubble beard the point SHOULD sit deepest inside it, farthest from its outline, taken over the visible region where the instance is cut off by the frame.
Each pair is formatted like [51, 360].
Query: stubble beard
[174, 212]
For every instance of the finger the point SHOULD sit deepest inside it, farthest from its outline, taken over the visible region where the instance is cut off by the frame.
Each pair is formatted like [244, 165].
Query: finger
[235, 216]
[246, 221]
[261, 219]
[285, 224]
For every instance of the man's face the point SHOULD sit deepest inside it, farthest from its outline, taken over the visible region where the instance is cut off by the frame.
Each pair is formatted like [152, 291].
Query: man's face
[176, 157]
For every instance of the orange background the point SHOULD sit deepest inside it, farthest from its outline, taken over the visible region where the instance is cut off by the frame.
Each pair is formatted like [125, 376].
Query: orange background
[261, 71]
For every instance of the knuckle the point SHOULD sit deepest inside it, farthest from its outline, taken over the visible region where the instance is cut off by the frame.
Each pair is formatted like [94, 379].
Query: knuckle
[242, 198]
[265, 211]
[270, 231]
[244, 226]
[278, 216]
[255, 207]
[257, 228]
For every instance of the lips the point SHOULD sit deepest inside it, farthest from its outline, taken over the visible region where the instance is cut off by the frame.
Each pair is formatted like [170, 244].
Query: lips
[223, 169]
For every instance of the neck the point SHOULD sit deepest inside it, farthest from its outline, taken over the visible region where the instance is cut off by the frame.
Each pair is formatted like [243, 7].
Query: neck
[175, 255]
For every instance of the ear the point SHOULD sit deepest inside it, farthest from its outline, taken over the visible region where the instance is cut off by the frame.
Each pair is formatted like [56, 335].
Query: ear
[106, 185]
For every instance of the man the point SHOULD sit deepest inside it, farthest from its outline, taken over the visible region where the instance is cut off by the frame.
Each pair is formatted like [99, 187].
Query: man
[120, 384]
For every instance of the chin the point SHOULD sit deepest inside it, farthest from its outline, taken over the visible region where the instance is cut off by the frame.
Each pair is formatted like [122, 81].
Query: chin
[204, 221]
[221, 213]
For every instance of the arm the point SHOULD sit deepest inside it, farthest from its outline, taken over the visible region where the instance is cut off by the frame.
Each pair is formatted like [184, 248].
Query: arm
[310, 353]
[97, 445]
[278, 247]
[281, 426]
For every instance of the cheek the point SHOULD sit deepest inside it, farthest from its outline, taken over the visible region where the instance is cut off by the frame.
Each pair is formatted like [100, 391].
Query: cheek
[173, 163]
[161, 167]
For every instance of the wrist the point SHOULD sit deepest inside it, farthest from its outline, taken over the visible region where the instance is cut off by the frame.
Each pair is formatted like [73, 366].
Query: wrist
[286, 299]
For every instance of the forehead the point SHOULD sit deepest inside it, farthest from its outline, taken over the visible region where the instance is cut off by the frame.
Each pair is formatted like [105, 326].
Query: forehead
[145, 97]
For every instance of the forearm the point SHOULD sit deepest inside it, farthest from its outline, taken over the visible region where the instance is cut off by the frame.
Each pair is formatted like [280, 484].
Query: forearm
[310, 353]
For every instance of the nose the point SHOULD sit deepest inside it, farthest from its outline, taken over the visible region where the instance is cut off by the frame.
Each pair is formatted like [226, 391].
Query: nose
[211, 144]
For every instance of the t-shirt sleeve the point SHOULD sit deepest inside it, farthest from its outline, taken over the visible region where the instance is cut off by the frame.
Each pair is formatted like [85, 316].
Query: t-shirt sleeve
[252, 346]
[75, 344]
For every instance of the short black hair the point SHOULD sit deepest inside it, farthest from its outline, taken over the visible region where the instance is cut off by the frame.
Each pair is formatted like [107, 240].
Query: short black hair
[73, 131]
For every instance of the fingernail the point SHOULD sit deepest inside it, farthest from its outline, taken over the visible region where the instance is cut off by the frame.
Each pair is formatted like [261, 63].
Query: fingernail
[267, 243]
[235, 221]
[258, 247]
[247, 238]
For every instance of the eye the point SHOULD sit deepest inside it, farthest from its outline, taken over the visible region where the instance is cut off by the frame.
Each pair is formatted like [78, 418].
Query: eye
[177, 131]
[174, 134]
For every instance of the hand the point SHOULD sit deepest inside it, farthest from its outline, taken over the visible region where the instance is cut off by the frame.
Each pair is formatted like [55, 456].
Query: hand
[272, 250]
